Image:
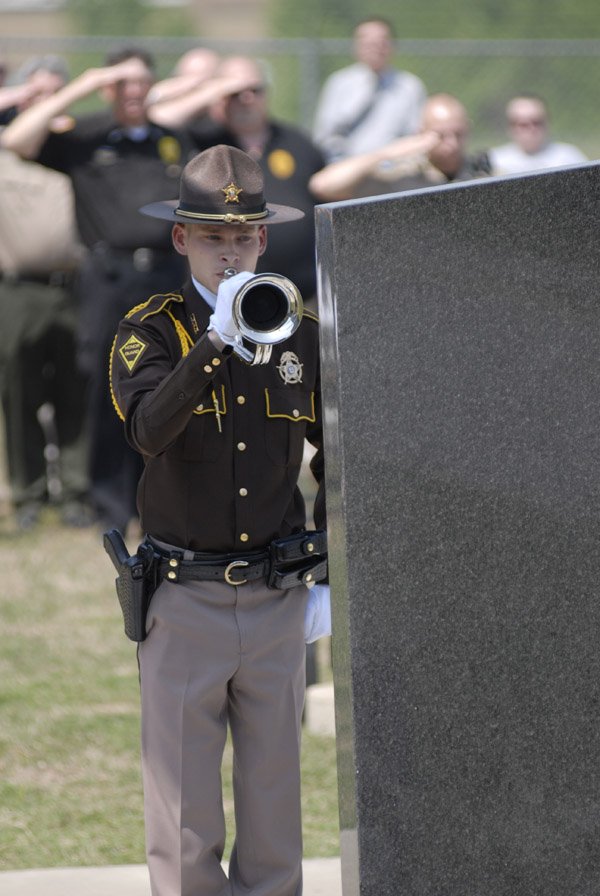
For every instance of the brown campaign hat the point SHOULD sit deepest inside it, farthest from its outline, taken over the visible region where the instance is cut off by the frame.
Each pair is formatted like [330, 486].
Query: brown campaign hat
[222, 185]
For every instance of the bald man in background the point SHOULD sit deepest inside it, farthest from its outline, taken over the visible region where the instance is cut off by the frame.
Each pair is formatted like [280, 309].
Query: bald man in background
[436, 155]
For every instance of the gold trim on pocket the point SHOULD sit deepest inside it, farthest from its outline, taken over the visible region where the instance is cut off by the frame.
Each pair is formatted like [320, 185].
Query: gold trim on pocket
[295, 415]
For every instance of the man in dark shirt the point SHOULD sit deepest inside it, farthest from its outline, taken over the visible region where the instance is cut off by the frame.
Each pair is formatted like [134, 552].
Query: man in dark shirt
[287, 159]
[117, 160]
[222, 442]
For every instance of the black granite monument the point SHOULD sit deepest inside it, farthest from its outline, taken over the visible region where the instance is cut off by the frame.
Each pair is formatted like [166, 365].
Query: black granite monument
[461, 366]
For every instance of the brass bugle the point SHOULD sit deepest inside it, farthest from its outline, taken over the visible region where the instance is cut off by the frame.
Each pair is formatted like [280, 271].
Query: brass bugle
[267, 309]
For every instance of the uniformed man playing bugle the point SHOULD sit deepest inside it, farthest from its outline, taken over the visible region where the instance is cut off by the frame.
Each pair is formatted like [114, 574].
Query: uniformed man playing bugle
[222, 440]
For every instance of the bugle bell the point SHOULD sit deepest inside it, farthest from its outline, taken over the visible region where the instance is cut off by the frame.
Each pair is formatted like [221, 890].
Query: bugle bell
[267, 309]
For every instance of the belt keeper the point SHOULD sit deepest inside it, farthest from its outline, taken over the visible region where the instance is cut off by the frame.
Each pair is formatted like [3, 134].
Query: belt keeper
[304, 574]
[174, 567]
[296, 547]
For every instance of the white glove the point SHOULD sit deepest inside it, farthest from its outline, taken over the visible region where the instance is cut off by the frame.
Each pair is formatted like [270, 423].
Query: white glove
[221, 320]
[317, 617]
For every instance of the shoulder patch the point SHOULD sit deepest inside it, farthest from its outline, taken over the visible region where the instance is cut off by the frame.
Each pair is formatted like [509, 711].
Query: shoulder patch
[131, 351]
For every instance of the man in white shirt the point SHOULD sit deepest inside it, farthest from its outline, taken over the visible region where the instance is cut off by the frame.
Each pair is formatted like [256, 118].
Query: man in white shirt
[531, 148]
[366, 105]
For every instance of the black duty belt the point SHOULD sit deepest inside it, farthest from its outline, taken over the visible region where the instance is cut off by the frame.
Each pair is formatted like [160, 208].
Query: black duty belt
[296, 560]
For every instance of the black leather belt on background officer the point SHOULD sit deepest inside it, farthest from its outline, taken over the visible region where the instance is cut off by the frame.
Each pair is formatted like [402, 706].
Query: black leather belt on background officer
[287, 562]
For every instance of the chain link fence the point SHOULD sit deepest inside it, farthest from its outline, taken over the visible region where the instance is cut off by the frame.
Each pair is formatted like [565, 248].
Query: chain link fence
[483, 74]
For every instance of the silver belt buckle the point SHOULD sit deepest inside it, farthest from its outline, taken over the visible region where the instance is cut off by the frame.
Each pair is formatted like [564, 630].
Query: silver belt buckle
[233, 565]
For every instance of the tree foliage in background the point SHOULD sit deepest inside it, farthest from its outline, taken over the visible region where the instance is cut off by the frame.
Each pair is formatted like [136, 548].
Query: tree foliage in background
[483, 80]
[107, 16]
[469, 19]
[129, 18]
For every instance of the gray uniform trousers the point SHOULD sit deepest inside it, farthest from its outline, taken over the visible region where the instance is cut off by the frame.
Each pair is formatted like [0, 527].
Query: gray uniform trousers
[217, 654]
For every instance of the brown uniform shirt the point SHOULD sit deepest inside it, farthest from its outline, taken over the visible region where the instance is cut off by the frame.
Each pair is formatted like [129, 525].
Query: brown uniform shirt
[222, 440]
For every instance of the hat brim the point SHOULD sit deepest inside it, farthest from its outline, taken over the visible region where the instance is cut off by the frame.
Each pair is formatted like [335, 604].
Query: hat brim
[167, 210]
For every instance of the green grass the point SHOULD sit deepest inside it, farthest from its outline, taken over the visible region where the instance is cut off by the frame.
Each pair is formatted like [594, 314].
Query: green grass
[70, 787]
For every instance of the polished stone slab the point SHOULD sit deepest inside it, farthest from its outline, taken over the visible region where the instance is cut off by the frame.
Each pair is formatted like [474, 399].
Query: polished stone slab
[461, 378]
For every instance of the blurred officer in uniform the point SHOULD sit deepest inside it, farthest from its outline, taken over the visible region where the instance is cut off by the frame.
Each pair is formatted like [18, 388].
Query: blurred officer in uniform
[117, 160]
[436, 155]
[287, 159]
[222, 441]
[43, 393]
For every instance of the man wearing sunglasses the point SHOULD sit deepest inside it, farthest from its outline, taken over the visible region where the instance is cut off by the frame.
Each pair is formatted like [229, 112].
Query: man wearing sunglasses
[530, 147]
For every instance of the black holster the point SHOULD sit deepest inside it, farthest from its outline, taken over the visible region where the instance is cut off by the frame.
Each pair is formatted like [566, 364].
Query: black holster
[136, 582]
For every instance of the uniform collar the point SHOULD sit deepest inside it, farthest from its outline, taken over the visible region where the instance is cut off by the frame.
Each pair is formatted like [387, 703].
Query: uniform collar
[197, 308]
[135, 135]
[208, 296]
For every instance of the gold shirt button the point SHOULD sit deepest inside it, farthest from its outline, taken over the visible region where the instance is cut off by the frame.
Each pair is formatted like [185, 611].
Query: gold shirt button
[207, 368]
[296, 412]
[243, 492]
[241, 399]
[215, 362]
[171, 575]
[244, 537]
[241, 446]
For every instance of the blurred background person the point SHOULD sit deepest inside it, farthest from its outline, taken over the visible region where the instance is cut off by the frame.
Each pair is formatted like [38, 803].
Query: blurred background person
[38, 78]
[287, 158]
[43, 392]
[438, 154]
[366, 105]
[531, 147]
[174, 100]
[117, 161]
[188, 100]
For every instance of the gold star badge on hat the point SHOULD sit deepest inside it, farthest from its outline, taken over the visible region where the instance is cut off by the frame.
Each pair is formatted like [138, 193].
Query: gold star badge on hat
[232, 192]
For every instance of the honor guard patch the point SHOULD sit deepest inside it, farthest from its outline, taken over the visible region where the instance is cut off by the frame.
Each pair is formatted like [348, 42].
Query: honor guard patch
[281, 163]
[232, 192]
[131, 351]
[290, 368]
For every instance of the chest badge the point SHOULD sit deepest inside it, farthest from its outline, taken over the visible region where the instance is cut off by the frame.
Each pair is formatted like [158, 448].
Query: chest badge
[290, 368]
[104, 156]
[281, 163]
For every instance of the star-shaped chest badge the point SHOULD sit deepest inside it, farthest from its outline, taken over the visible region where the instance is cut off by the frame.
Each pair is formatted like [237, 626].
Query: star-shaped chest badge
[232, 192]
